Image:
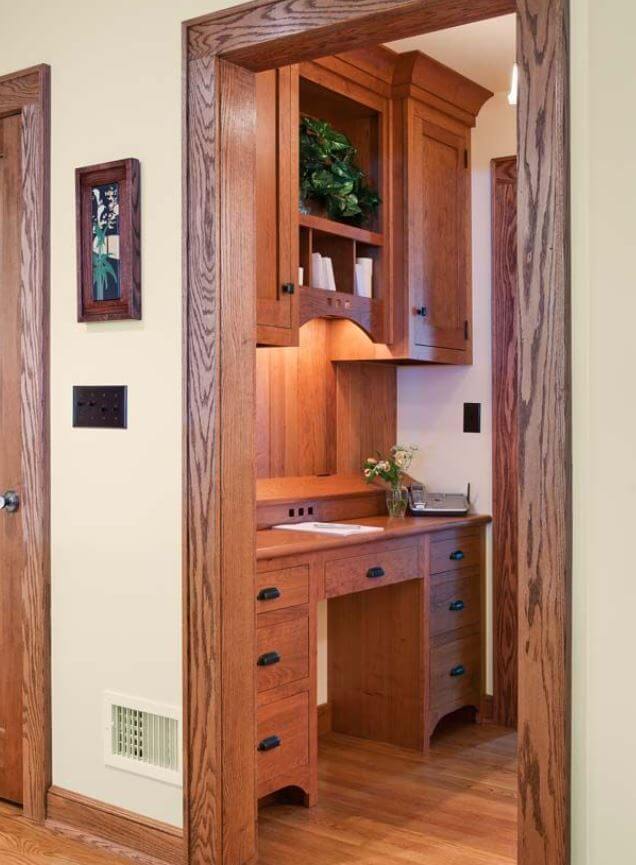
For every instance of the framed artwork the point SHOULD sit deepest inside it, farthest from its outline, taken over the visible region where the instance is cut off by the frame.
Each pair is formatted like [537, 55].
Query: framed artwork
[108, 241]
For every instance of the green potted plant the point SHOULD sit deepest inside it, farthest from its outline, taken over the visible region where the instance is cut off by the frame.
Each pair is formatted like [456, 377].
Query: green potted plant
[330, 175]
[391, 469]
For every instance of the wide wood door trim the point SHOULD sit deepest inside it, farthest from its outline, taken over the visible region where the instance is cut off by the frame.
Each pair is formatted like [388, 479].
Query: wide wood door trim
[219, 374]
[505, 439]
[28, 93]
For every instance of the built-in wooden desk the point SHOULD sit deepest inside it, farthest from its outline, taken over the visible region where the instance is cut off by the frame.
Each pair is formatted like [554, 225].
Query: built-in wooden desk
[405, 636]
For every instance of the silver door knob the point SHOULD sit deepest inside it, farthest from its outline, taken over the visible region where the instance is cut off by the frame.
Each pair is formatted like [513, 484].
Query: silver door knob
[9, 501]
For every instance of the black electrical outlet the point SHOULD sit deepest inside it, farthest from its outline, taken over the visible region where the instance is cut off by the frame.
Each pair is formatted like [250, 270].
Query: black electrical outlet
[100, 406]
[472, 417]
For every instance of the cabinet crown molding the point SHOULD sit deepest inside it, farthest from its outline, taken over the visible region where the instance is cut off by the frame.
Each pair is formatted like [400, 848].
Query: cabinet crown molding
[426, 79]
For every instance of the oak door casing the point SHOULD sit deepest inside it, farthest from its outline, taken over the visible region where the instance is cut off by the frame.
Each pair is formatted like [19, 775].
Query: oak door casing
[505, 444]
[276, 198]
[438, 184]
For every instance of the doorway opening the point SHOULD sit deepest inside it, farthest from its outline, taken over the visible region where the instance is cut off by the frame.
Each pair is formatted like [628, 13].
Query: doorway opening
[225, 54]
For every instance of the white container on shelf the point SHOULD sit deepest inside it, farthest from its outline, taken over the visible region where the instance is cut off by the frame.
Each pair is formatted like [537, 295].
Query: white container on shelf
[328, 274]
[317, 271]
[364, 277]
[301, 276]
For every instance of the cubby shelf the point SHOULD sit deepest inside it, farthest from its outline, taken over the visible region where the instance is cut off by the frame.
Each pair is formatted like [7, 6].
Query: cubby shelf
[340, 229]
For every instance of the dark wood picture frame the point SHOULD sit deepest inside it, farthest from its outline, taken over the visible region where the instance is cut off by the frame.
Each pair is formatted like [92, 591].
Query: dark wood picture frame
[126, 173]
[221, 53]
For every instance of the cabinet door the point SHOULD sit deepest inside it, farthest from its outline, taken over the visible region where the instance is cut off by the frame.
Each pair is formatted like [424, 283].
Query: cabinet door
[438, 194]
[277, 206]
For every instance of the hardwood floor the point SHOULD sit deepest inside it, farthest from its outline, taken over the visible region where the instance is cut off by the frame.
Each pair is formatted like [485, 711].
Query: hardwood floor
[24, 843]
[380, 805]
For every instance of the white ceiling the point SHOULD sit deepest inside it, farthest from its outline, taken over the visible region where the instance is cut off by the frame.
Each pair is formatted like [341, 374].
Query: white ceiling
[484, 52]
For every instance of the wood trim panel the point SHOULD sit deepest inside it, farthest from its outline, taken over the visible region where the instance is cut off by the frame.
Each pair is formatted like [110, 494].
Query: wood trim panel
[28, 92]
[114, 829]
[272, 33]
[545, 460]
[505, 438]
[269, 33]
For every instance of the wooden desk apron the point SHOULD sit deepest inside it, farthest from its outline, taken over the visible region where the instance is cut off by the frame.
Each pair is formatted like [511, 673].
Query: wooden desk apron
[405, 636]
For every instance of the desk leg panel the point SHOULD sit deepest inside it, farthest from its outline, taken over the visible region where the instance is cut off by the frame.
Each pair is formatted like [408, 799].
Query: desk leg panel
[378, 678]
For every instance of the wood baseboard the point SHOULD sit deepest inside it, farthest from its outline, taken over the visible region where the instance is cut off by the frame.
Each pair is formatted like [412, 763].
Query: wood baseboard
[146, 841]
[325, 720]
[486, 710]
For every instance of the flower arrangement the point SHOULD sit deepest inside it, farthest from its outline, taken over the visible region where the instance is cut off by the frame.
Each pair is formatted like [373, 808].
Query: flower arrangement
[391, 470]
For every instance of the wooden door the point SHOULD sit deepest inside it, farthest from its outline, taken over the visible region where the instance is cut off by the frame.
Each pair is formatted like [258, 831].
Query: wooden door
[11, 536]
[438, 234]
[277, 206]
[505, 443]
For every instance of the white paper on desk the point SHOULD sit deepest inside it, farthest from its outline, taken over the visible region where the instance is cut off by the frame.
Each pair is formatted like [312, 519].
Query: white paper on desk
[342, 529]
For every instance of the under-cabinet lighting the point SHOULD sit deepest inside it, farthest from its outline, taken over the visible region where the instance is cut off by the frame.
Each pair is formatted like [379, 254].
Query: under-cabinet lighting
[514, 85]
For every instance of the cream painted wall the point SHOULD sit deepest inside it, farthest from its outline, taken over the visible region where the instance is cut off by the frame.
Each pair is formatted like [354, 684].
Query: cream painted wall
[431, 399]
[604, 310]
[116, 514]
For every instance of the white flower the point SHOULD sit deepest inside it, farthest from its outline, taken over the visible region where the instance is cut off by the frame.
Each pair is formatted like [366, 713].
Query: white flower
[367, 473]
[371, 461]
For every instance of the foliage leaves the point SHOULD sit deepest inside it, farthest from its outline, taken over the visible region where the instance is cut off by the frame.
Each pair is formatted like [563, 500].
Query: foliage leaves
[329, 173]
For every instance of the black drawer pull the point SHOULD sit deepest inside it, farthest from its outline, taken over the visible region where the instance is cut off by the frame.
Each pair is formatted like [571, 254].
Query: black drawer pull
[268, 659]
[457, 606]
[269, 594]
[375, 573]
[459, 670]
[457, 556]
[269, 744]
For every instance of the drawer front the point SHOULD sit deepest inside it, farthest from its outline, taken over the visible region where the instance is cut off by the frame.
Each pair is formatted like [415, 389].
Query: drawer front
[455, 600]
[282, 652]
[282, 737]
[287, 587]
[456, 675]
[457, 549]
[344, 576]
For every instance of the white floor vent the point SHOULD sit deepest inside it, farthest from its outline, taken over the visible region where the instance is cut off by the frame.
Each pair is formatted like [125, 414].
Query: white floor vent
[142, 737]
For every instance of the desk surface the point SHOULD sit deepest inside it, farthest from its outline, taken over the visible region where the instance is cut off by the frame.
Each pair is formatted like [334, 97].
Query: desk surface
[272, 543]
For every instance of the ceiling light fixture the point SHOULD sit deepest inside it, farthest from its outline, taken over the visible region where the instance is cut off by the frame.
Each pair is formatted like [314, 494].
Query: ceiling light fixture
[514, 85]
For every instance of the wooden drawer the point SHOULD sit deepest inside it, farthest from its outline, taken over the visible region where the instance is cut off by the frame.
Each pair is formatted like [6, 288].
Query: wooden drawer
[282, 648]
[456, 675]
[287, 587]
[455, 600]
[282, 738]
[455, 549]
[382, 568]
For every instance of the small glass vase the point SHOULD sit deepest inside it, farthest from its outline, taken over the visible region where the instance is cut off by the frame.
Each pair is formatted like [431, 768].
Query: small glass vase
[396, 501]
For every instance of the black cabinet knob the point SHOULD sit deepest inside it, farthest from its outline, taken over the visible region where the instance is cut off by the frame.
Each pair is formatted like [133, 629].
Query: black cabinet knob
[457, 606]
[459, 670]
[268, 659]
[375, 573]
[269, 594]
[269, 744]
[457, 556]
[288, 288]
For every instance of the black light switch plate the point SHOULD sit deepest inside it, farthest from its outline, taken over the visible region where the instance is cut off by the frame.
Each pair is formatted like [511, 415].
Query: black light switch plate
[100, 406]
[472, 417]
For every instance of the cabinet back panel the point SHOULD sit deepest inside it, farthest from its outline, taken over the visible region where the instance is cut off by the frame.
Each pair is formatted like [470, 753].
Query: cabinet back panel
[315, 417]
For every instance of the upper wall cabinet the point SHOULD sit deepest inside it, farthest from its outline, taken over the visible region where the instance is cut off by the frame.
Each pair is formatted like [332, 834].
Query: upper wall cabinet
[277, 207]
[355, 103]
[434, 110]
